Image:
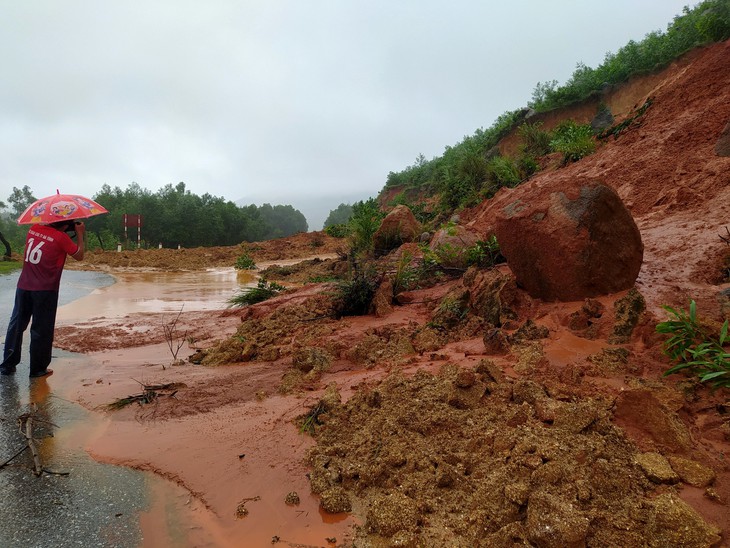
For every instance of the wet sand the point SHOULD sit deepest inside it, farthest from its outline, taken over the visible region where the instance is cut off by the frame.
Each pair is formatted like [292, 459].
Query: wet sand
[248, 452]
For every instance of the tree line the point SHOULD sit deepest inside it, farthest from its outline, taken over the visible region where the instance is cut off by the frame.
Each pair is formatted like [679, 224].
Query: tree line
[173, 216]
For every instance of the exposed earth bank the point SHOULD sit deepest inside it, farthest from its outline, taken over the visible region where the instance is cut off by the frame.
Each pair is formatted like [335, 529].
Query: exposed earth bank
[433, 429]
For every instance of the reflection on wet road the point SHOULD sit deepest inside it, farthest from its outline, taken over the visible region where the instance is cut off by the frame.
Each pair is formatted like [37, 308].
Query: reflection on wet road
[95, 504]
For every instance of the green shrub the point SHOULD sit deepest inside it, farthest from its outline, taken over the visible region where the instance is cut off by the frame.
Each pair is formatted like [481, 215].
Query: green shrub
[503, 172]
[337, 231]
[420, 210]
[535, 140]
[708, 21]
[574, 141]
[694, 350]
[354, 296]
[252, 295]
[406, 275]
[485, 254]
[365, 220]
[245, 262]
[527, 165]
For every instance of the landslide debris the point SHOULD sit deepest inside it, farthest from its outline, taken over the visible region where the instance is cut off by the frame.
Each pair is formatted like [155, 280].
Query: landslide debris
[463, 459]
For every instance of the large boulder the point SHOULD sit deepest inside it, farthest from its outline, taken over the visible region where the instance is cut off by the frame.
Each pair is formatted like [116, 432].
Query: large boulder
[569, 242]
[398, 227]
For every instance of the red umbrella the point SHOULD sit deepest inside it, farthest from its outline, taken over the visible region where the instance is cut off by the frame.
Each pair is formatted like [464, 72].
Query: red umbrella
[60, 207]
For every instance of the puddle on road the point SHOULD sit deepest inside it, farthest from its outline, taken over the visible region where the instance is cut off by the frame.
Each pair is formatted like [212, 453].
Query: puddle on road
[91, 504]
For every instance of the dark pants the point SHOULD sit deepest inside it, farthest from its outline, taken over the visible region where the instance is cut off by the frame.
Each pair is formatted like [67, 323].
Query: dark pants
[41, 306]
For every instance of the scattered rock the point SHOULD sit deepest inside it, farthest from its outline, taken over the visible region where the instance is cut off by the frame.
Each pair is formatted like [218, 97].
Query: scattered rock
[602, 120]
[582, 321]
[492, 295]
[529, 357]
[569, 242]
[639, 409]
[692, 472]
[495, 342]
[529, 331]
[610, 362]
[292, 498]
[627, 311]
[429, 339]
[382, 303]
[465, 378]
[331, 398]
[398, 227]
[335, 501]
[656, 467]
[555, 523]
[453, 308]
[490, 371]
[310, 358]
[674, 523]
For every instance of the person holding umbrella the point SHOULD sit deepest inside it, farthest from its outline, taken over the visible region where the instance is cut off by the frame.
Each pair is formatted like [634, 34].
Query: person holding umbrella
[46, 247]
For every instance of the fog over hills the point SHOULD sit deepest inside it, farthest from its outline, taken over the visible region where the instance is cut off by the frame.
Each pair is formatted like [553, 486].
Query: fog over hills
[315, 208]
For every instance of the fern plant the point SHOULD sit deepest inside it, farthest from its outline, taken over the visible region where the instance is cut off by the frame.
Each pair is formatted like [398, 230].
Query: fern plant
[694, 350]
[574, 141]
[251, 295]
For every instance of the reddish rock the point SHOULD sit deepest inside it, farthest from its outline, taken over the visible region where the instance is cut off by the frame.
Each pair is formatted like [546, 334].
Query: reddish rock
[492, 295]
[398, 227]
[569, 242]
[382, 304]
[641, 414]
[722, 148]
[495, 342]
[450, 245]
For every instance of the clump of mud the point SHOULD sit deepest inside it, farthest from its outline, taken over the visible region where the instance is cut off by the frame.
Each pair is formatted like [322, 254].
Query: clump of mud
[273, 336]
[468, 458]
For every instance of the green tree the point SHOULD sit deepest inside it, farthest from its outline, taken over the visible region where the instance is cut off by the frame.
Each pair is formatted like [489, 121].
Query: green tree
[339, 216]
[365, 220]
[20, 199]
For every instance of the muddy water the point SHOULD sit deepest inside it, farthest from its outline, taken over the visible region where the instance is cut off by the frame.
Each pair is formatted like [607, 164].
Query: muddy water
[175, 449]
[79, 501]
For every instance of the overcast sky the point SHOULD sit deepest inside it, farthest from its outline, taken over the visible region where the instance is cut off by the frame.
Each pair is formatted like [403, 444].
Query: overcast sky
[309, 103]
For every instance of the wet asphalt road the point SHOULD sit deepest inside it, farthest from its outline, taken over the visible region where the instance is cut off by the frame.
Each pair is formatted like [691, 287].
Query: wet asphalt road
[95, 504]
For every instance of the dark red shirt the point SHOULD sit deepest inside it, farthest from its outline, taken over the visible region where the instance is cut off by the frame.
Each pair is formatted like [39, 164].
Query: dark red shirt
[45, 254]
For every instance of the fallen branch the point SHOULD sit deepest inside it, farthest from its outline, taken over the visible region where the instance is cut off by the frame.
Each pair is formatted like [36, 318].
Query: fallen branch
[16, 455]
[25, 425]
[149, 394]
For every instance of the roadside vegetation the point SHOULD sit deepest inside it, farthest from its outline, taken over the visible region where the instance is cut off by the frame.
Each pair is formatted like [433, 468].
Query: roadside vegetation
[9, 266]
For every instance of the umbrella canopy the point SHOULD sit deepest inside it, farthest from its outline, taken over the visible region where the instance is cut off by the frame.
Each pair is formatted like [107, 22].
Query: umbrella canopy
[60, 207]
